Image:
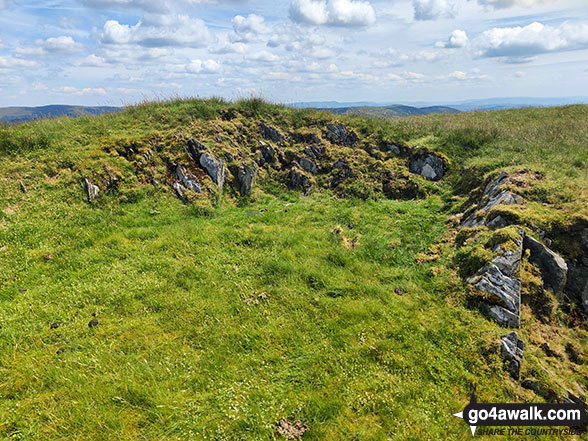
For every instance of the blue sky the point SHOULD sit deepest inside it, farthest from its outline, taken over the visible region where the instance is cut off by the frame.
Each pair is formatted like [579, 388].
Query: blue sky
[113, 52]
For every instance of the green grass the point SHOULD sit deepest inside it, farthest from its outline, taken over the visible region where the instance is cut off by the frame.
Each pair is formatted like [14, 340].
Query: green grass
[183, 352]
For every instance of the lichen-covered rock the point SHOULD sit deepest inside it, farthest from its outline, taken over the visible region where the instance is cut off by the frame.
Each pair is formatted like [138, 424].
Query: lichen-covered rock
[270, 133]
[342, 173]
[180, 190]
[553, 268]
[187, 180]
[500, 281]
[429, 166]
[512, 351]
[298, 180]
[338, 134]
[314, 152]
[308, 165]
[92, 191]
[195, 148]
[215, 167]
[577, 282]
[268, 154]
[246, 175]
[492, 196]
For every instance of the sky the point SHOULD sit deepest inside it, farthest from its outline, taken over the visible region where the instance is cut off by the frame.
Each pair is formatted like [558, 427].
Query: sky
[117, 52]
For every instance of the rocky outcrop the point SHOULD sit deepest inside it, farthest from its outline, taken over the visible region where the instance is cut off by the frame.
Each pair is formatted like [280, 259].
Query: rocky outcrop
[215, 167]
[342, 173]
[187, 180]
[308, 165]
[577, 282]
[553, 268]
[314, 152]
[270, 133]
[92, 191]
[338, 134]
[500, 281]
[430, 166]
[492, 196]
[246, 175]
[298, 180]
[268, 154]
[512, 351]
[195, 148]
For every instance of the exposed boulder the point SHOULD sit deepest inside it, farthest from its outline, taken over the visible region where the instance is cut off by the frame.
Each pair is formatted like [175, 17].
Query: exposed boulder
[268, 154]
[314, 152]
[500, 281]
[180, 190]
[270, 133]
[187, 179]
[492, 196]
[553, 268]
[512, 351]
[338, 134]
[396, 149]
[577, 282]
[246, 175]
[92, 191]
[342, 173]
[298, 180]
[308, 165]
[215, 167]
[429, 166]
[195, 148]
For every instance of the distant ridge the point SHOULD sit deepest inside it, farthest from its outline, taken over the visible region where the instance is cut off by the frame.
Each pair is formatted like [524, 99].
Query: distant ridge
[13, 115]
[394, 111]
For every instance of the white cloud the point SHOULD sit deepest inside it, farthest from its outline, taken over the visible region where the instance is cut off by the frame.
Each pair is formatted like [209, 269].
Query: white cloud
[158, 31]
[92, 61]
[502, 4]
[352, 13]
[248, 28]
[62, 45]
[457, 39]
[84, 91]
[14, 63]
[200, 66]
[433, 9]
[520, 44]
[263, 56]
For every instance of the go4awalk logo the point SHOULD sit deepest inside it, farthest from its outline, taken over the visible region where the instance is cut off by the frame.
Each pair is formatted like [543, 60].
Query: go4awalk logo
[571, 415]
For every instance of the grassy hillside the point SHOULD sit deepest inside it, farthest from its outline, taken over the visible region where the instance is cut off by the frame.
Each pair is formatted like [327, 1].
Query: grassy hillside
[22, 114]
[343, 306]
[395, 111]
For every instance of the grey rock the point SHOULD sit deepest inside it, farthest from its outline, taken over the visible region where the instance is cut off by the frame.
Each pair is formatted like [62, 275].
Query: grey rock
[187, 181]
[22, 187]
[429, 166]
[308, 165]
[215, 167]
[246, 175]
[299, 181]
[92, 191]
[577, 282]
[497, 223]
[343, 172]
[503, 317]
[553, 268]
[268, 154]
[338, 134]
[500, 279]
[270, 133]
[195, 148]
[180, 190]
[314, 152]
[505, 197]
[392, 148]
[512, 351]
[93, 323]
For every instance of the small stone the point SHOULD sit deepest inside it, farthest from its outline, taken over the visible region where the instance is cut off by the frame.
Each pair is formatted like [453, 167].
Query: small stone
[92, 191]
[23, 188]
[93, 323]
[22, 290]
[399, 291]
[60, 351]
[351, 226]
[512, 350]
[54, 325]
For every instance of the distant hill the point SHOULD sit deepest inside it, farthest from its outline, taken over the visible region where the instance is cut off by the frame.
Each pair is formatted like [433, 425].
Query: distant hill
[14, 115]
[394, 111]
